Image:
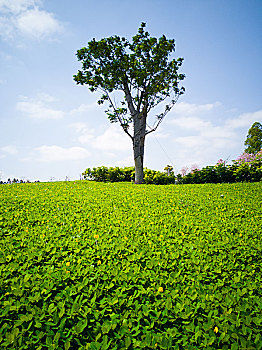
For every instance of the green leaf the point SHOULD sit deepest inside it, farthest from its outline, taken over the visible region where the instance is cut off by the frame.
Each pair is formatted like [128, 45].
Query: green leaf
[67, 345]
[38, 324]
[27, 277]
[145, 310]
[106, 326]
[169, 302]
[234, 346]
[81, 325]
[128, 342]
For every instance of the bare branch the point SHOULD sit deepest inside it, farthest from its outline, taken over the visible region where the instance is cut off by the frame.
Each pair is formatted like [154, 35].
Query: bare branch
[161, 116]
[123, 125]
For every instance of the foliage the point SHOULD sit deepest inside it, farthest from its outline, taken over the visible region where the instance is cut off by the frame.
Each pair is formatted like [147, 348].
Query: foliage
[247, 167]
[254, 138]
[104, 174]
[158, 177]
[169, 170]
[88, 265]
[114, 63]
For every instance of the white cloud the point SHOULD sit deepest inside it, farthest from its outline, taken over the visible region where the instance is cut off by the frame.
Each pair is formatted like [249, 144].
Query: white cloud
[204, 135]
[244, 120]
[112, 139]
[38, 108]
[45, 97]
[16, 6]
[84, 108]
[191, 123]
[37, 24]
[184, 108]
[6, 28]
[210, 140]
[9, 149]
[204, 141]
[85, 134]
[57, 153]
[79, 127]
[128, 161]
[160, 133]
[25, 18]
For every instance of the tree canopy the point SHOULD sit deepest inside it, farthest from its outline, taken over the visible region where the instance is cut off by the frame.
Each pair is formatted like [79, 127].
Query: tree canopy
[254, 138]
[142, 71]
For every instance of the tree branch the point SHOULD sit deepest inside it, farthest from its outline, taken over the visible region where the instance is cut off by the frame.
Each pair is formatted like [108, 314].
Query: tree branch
[129, 99]
[162, 115]
[118, 116]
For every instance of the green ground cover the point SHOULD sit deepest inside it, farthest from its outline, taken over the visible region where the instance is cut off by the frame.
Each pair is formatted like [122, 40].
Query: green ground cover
[89, 265]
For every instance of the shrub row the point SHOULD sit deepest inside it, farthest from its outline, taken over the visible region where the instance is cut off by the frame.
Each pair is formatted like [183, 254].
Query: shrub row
[104, 174]
[127, 174]
[246, 168]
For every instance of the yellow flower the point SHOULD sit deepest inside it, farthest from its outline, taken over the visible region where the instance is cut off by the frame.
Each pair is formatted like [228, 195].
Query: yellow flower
[160, 289]
[96, 236]
[216, 329]
[68, 263]
[99, 262]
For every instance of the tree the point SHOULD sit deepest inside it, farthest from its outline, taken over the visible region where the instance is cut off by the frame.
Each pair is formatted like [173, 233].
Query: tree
[254, 138]
[141, 73]
[169, 170]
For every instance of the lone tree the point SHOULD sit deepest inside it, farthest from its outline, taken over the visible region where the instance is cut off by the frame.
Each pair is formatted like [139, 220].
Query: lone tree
[254, 138]
[142, 76]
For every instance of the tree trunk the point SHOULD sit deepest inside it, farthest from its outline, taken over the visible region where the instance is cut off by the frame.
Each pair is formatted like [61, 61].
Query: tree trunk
[139, 147]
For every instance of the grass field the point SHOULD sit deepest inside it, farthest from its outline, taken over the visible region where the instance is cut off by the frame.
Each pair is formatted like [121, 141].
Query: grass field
[88, 265]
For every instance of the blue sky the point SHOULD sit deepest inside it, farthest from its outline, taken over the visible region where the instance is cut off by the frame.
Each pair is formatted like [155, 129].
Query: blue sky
[51, 127]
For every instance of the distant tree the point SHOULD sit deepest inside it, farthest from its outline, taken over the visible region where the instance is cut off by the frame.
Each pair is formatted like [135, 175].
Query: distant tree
[169, 170]
[141, 73]
[194, 167]
[254, 138]
[184, 170]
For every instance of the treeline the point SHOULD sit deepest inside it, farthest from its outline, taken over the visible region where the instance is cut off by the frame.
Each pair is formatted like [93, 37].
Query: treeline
[246, 168]
[17, 181]
[127, 174]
